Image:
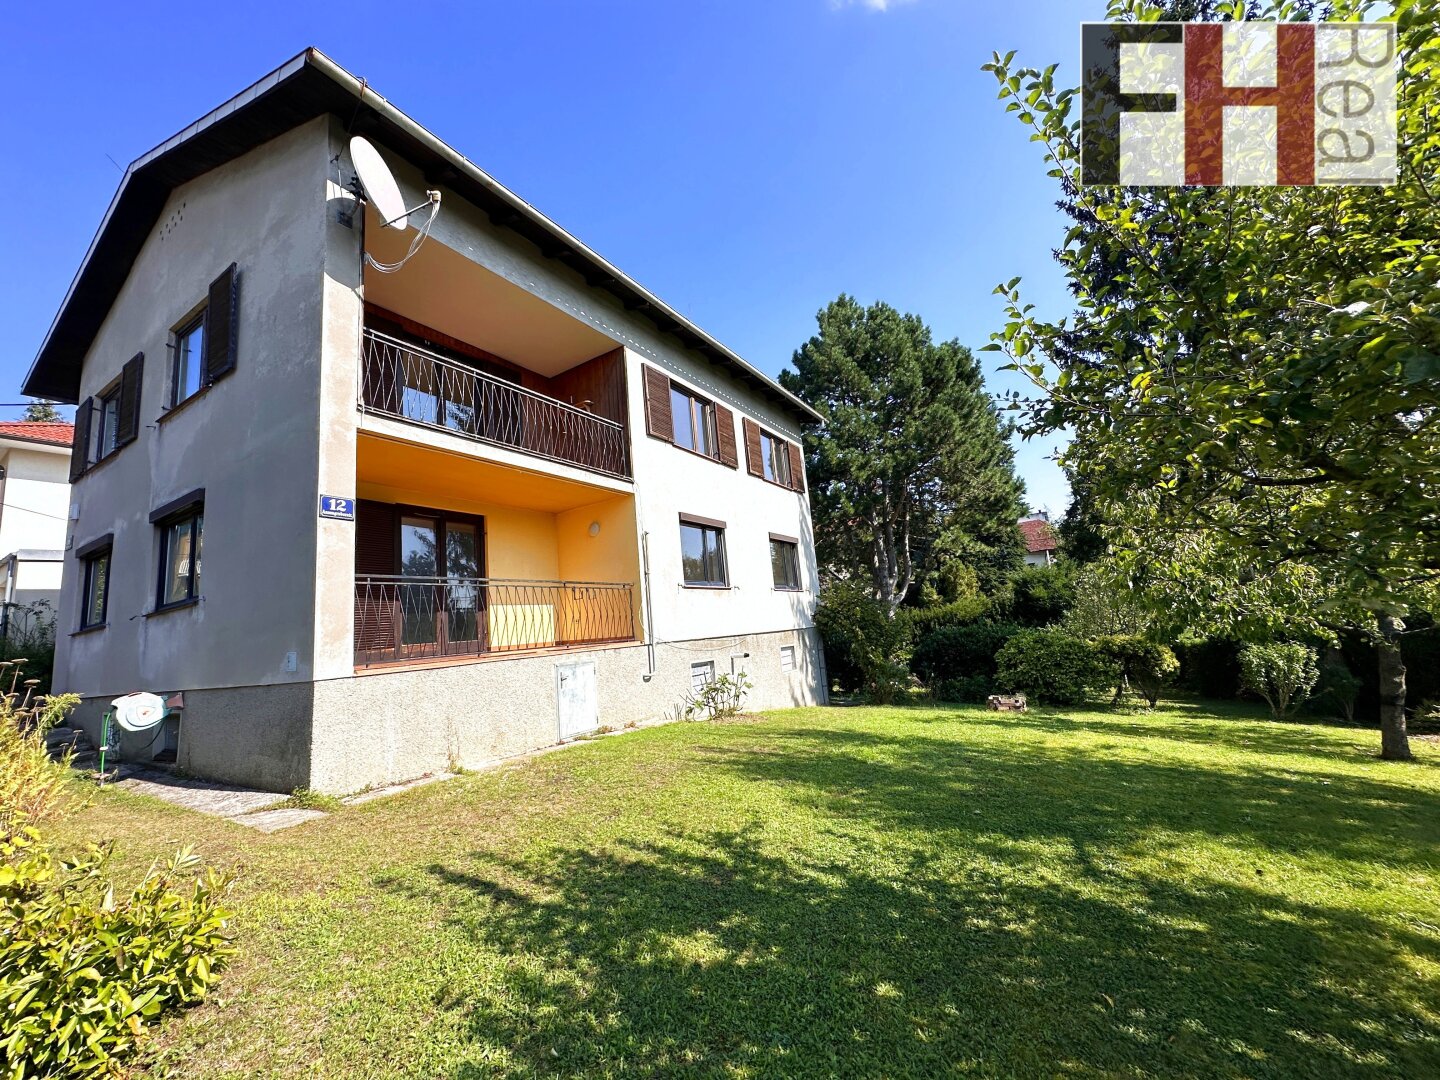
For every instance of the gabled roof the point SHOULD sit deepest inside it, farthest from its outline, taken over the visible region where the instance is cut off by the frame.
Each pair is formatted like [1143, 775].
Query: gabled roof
[1038, 535]
[308, 86]
[38, 431]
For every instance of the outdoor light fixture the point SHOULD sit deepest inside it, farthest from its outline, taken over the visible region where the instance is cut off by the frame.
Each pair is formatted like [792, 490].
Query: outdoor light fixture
[594, 528]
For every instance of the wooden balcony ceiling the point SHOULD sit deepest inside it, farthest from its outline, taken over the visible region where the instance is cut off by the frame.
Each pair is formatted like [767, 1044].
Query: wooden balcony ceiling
[431, 476]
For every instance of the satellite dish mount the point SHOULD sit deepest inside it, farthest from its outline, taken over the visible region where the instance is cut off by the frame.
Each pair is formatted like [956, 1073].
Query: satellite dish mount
[377, 185]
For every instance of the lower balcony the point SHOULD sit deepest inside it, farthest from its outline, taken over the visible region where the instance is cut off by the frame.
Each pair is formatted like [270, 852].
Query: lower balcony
[404, 619]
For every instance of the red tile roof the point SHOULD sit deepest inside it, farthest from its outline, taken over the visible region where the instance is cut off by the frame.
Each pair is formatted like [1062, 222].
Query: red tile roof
[38, 431]
[1038, 535]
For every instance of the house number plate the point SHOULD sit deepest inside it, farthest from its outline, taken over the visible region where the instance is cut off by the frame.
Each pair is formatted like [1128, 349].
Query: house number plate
[332, 506]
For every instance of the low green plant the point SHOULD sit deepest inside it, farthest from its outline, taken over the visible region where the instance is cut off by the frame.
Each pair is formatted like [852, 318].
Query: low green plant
[719, 699]
[1051, 666]
[1281, 672]
[1147, 666]
[29, 640]
[963, 612]
[306, 799]
[83, 975]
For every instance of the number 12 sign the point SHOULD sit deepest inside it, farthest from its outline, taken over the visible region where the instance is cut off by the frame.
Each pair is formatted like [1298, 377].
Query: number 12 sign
[332, 506]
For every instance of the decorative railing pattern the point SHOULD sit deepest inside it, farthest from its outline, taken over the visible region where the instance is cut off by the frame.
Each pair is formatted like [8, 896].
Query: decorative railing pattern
[400, 618]
[403, 380]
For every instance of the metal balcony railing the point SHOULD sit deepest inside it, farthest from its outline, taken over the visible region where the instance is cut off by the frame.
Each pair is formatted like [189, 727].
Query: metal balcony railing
[402, 380]
[400, 618]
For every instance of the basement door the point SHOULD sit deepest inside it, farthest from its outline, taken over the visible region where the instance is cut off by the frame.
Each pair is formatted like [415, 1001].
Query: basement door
[578, 701]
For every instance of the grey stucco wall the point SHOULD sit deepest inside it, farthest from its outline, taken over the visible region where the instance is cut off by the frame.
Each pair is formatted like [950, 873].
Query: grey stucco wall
[382, 728]
[250, 441]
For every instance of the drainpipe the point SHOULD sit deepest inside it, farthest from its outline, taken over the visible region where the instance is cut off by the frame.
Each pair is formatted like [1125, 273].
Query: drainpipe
[649, 610]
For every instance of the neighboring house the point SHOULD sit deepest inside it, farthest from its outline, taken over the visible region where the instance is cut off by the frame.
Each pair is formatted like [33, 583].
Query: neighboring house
[34, 503]
[1041, 546]
[571, 505]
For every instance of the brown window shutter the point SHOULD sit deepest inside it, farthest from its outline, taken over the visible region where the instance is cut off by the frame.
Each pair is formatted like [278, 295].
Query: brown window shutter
[797, 467]
[80, 448]
[127, 421]
[725, 436]
[753, 465]
[658, 421]
[221, 324]
[377, 607]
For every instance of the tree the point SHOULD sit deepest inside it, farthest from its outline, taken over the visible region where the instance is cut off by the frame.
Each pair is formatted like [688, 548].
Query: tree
[1252, 375]
[913, 460]
[42, 412]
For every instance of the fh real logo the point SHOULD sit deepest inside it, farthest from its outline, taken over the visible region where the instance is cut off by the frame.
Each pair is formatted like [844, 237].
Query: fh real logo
[1241, 103]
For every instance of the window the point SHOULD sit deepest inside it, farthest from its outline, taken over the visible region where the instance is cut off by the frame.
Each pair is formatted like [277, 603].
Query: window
[181, 544]
[95, 582]
[785, 562]
[188, 374]
[702, 552]
[107, 428]
[787, 657]
[701, 675]
[694, 421]
[775, 458]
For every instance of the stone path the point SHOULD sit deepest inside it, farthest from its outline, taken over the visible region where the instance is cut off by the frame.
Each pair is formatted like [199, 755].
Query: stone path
[244, 806]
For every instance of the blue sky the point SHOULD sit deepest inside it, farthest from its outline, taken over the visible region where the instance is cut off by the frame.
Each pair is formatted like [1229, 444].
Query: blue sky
[747, 160]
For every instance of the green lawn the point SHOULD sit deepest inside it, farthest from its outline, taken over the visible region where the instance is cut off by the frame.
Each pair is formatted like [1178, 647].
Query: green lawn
[845, 892]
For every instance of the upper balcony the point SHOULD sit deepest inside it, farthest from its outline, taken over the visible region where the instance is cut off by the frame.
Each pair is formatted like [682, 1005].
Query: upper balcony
[451, 345]
[408, 382]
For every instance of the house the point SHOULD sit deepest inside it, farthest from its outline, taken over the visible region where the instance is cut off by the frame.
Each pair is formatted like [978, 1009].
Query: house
[34, 503]
[1041, 545]
[494, 500]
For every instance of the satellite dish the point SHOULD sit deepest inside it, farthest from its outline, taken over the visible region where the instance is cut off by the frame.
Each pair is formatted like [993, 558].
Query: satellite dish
[139, 712]
[378, 182]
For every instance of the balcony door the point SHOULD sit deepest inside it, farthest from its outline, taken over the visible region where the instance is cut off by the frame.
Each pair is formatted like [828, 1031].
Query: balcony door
[419, 583]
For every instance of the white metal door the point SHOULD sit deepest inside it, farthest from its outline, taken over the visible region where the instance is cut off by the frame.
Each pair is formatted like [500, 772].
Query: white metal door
[579, 704]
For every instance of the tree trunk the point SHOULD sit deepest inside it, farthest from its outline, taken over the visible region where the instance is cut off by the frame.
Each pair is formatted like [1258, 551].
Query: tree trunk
[1394, 744]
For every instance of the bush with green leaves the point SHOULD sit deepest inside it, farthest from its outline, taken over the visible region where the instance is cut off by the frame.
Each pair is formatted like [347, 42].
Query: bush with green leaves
[955, 652]
[84, 974]
[1282, 672]
[1148, 666]
[963, 612]
[865, 648]
[1041, 595]
[1337, 690]
[718, 699]
[1052, 667]
[965, 690]
[30, 641]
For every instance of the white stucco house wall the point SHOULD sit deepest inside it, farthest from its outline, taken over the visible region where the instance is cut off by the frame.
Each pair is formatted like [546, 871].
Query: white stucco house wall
[34, 504]
[376, 525]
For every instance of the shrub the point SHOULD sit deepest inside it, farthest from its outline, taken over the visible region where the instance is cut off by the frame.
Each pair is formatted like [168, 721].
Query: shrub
[865, 649]
[967, 689]
[1209, 667]
[82, 974]
[953, 652]
[1145, 665]
[718, 699]
[32, 786]
[1337, 689]
[30, 633]
[1053, 667]
[1041, 595]
[1281, 672]
[922, 621]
